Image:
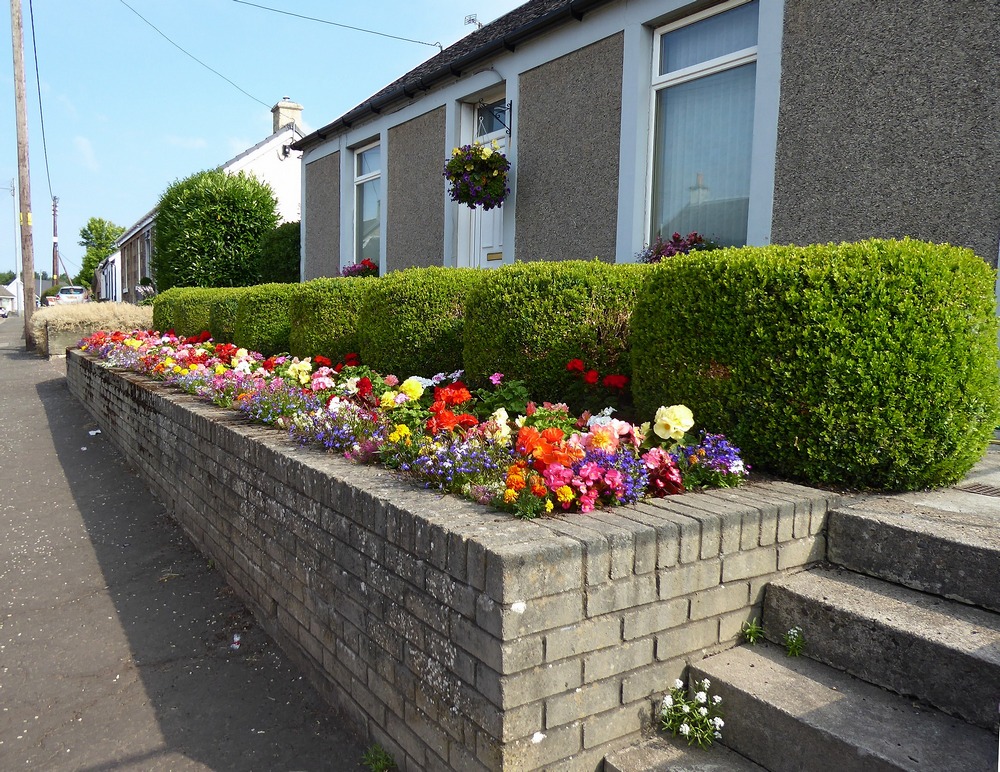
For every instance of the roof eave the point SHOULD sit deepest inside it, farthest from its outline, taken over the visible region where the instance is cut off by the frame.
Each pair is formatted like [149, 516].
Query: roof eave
[453, 69]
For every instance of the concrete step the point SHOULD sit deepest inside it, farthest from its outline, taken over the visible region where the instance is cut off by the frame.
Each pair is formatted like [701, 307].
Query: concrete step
[919, 645]
[796, 714]
[946, 542]
[662, 753]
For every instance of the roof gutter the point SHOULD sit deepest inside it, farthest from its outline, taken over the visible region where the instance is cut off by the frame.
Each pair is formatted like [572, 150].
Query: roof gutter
[454, 69]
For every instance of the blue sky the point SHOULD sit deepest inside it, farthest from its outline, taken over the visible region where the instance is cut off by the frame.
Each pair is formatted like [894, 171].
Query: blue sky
[126, 113]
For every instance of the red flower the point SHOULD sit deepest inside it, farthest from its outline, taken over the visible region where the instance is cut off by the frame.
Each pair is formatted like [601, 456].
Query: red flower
[364, 387]
[615, 381]
[351, 360]
[267, 364]
[590, 377]
[225, 352]
[322, 361]
[575, 366]
[369, 264]
[454, 394]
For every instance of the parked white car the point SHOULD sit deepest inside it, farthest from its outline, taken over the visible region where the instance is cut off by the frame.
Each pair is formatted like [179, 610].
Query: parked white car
[72, 293]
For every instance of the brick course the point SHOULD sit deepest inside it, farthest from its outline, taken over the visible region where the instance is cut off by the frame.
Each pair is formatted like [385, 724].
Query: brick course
[456, 636]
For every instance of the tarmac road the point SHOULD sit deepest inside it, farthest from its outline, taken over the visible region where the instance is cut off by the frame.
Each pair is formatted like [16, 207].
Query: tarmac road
[115, 633]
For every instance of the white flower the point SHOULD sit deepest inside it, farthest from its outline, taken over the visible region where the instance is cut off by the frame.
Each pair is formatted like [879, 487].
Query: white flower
[718, 735]
[718, 722]
[703, 710]
[706, 684]
[668, 702]
[716, 699]
[685, 730]
[678, 684]
[701, 698]
[685, 708]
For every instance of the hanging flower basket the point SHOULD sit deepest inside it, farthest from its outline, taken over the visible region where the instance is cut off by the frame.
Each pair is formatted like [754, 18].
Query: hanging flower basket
[477, 175]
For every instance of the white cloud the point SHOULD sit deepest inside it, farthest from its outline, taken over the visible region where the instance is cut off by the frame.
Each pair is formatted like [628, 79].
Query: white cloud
[86, 153]
[187, 143]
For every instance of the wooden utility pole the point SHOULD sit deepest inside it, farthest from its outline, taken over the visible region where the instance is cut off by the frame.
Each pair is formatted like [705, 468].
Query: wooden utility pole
[23, 177]
[55, 241]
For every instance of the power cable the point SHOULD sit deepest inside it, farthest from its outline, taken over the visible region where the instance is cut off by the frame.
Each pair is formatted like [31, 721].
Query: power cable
[343, 26]
[38, 84]
[186, 53]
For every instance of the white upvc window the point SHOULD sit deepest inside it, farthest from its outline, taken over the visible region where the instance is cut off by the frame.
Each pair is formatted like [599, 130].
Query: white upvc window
[703, 84]
[367, 202]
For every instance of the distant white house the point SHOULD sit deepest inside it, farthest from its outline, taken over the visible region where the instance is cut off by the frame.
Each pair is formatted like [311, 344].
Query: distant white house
[16, 288]
[271, 160]
[7, 300]
[108, 278]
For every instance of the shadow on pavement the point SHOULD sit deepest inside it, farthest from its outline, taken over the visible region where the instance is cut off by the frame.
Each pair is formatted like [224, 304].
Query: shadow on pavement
[117, 638]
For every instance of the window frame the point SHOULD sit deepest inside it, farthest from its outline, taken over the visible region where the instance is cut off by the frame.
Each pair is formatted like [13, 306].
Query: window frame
[360, 179]
[697, 71]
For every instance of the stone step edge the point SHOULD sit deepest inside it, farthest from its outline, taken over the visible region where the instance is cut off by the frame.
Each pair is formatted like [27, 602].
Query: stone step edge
[792, 713]
[853, 530]
[937, 650]
[662, 753]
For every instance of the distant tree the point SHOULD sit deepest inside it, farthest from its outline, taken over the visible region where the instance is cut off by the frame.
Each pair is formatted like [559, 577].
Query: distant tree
[209, 228]
[6, 277]
[278, 257]
[99, 237]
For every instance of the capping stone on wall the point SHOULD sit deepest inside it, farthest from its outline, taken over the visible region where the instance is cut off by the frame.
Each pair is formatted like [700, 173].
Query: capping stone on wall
[456, 636]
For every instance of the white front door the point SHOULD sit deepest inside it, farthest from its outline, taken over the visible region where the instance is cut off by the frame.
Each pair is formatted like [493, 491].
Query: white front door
[482, 243]
[487, 227]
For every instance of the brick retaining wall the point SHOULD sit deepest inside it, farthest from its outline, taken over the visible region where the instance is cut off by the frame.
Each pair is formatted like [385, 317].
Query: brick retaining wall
[456, 636]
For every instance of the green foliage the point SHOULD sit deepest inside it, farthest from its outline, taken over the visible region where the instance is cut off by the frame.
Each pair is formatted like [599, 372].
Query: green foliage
[872, 364]
[222, 313]
[378, 759]
[752, 632]
[263, 318]
[191, 310]
[98, 236]
[6, 277]
[528, 320]
[277, 259]
[413, 320]
[163, 309]
[209, 228]
[326, 315]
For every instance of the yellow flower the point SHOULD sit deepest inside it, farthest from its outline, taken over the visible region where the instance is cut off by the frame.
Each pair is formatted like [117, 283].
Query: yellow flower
[509, 496]
[564, 494]
[412, 388]
[487, 151]
[548, 505]
[220, 369]
[388, 400]
[671, 422]
[402, 431]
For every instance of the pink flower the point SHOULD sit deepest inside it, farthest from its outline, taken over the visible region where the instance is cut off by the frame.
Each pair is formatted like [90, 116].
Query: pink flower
[496, 378]
[556, 476]
[390, 380]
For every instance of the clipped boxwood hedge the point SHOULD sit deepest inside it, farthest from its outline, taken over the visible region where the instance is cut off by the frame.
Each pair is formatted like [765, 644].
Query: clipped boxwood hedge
[222, 313]
[326, 315]
[412, 321]
[263, 318]
[192, 308]
[528, 320]
[870, 364]
[163, 309]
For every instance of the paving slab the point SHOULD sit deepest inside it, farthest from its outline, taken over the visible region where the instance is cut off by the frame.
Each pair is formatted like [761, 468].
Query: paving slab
[115, 633]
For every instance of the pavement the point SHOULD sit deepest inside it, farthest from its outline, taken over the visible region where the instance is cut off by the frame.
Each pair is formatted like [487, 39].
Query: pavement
[116, 635]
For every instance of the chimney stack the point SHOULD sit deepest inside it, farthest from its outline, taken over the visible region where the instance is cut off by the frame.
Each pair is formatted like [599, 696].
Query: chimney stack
[285, 112]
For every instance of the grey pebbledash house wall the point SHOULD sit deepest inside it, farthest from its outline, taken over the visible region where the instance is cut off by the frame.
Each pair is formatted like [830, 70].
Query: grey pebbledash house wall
[414, 176]
[867, 120]
[567, 177]
[321, 183]
[888, 122]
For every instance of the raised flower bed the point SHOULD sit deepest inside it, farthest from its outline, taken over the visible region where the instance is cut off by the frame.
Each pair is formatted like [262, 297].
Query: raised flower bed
[454, 635]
